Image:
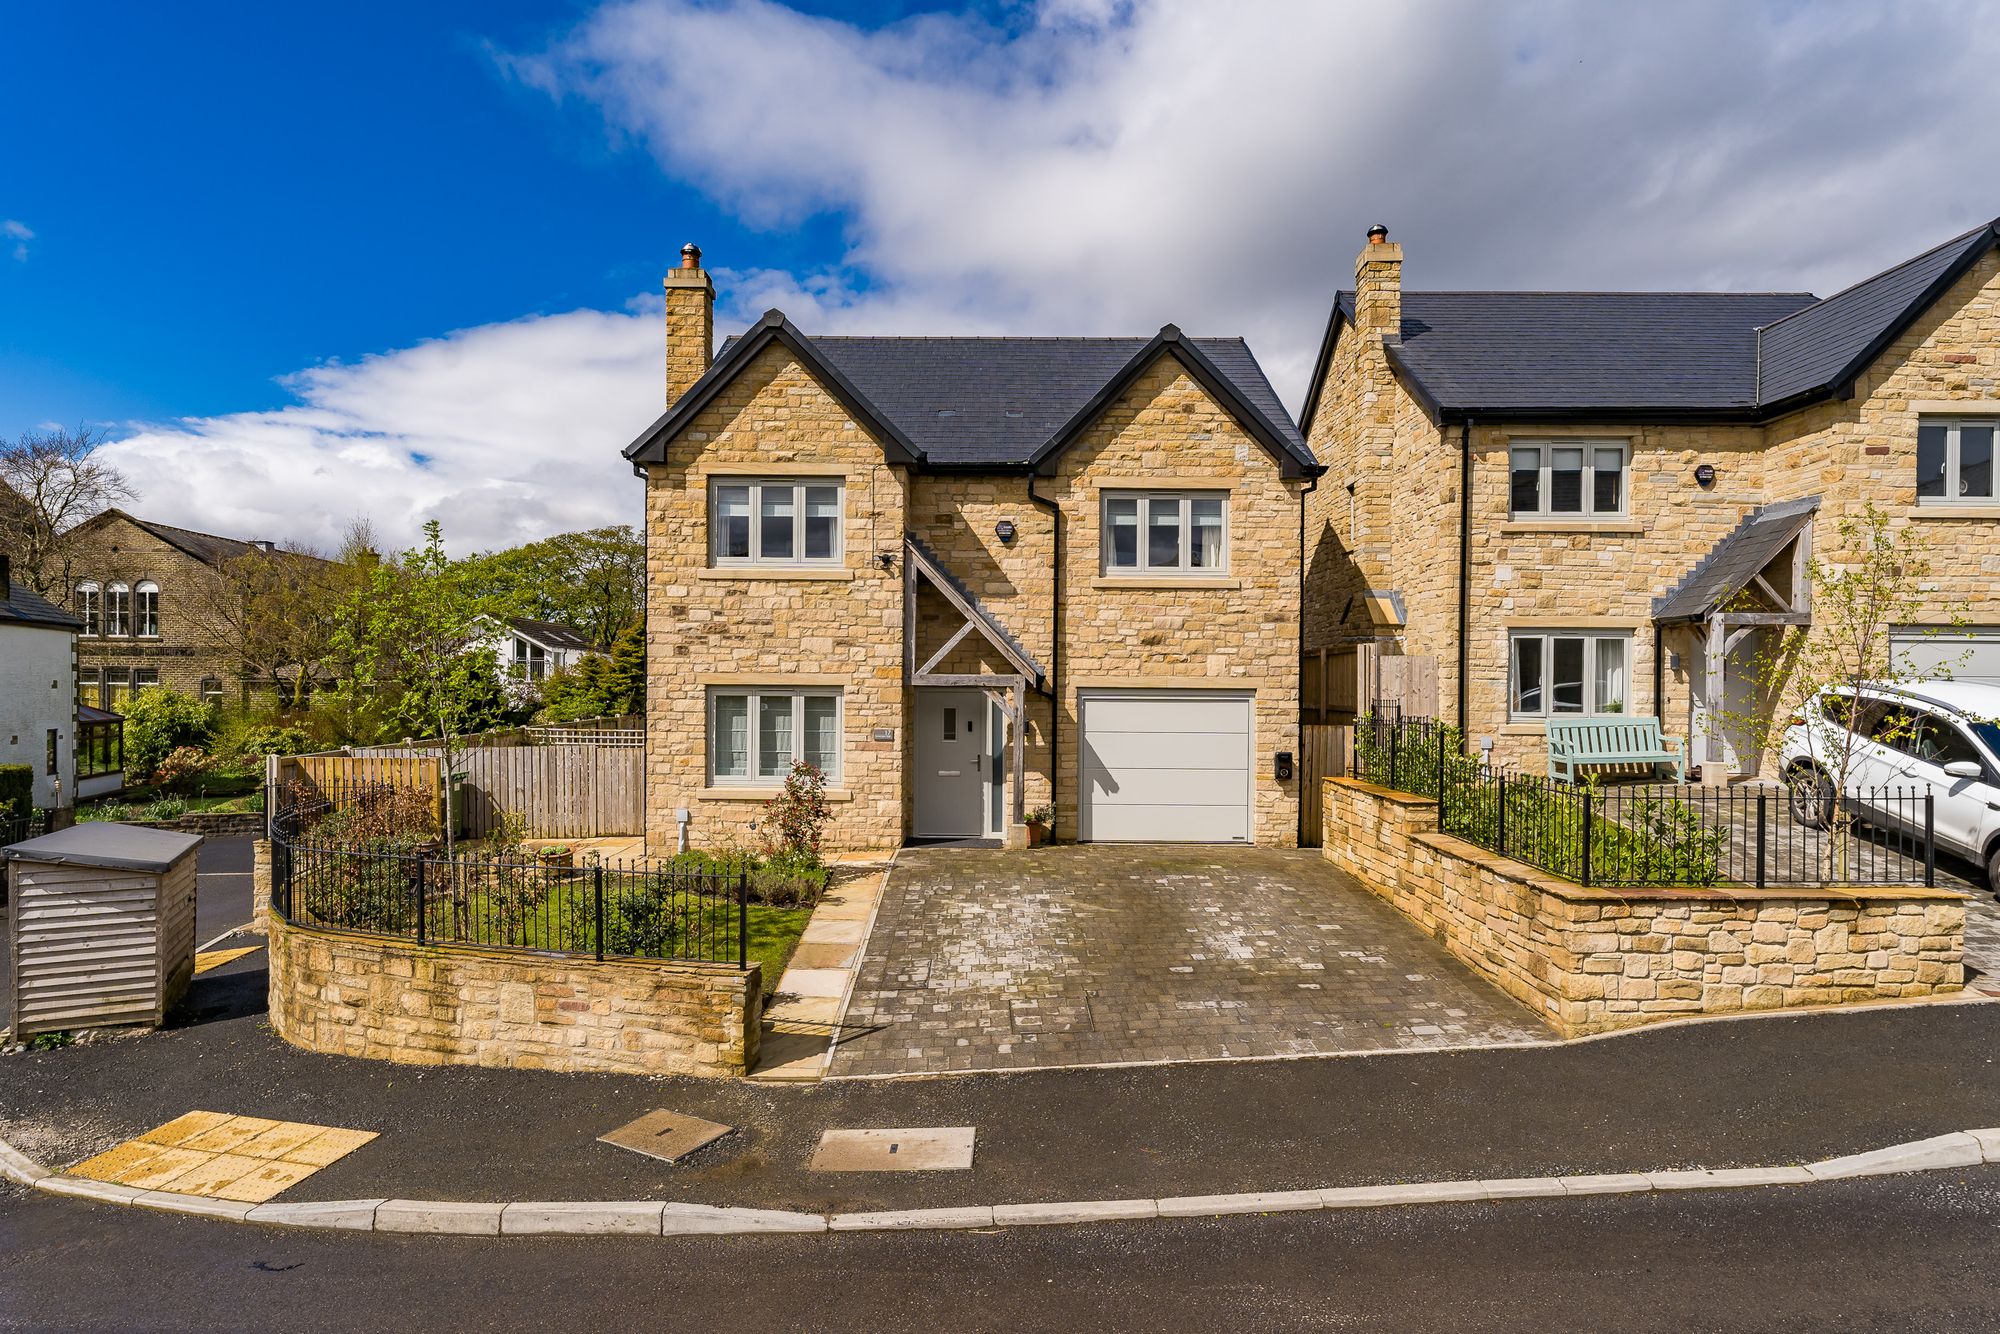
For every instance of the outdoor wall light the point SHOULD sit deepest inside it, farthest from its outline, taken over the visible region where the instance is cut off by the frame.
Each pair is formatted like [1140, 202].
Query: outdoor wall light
[1281, 767]
[1004, 530]
[886, 559]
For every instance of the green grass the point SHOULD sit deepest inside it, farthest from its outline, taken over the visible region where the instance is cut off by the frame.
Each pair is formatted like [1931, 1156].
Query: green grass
[774, 934]
[148, 804]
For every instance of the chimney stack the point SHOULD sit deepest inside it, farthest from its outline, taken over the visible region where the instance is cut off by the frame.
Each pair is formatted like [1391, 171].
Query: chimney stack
[690, 323]
[1378, 285]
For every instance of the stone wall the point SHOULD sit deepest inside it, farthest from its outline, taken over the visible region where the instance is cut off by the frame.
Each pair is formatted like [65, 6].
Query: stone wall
[1592, 960]
[210, 824]
[117, 550]
[354, 995]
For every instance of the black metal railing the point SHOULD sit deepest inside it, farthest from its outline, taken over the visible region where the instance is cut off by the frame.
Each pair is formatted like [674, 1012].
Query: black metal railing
[340, 860]
[19, 828]
[1647, 834]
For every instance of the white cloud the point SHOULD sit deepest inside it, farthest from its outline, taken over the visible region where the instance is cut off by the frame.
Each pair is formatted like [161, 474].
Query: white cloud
[504, 433]
[18, 233]
[1115, 166]
[1111, 165]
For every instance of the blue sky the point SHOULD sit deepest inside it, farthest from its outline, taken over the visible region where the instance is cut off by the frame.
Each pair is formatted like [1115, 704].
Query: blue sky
[305, 262]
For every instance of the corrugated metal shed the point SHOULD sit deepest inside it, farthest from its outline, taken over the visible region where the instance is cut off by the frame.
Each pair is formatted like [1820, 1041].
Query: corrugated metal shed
[102, 928]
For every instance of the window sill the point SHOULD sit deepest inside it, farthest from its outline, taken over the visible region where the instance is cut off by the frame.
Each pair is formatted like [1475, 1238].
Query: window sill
[1540, 726]
[1598, 527]
[1955, 511]
[752, 573]
[763, 794]
[1163, 581]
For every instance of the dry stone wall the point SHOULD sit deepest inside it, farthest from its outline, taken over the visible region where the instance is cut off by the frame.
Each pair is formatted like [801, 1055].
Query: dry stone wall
[1591, 960]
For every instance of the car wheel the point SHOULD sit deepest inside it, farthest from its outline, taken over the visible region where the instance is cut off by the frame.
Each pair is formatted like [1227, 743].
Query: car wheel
[1993, 869]
[1811, 797]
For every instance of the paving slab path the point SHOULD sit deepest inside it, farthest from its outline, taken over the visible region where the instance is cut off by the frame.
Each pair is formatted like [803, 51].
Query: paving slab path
[983, 959]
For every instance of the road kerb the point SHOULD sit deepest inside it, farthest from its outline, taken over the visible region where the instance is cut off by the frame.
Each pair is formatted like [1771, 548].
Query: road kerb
[1960, 1149]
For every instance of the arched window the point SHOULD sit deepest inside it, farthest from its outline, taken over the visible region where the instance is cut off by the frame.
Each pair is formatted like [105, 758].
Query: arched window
[90, 606]
[146, 610]
[118, 609]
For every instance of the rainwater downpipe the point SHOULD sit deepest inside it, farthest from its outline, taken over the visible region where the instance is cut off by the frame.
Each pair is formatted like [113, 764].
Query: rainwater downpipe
[1464, 574]
[1055, 651]
[1312, 485]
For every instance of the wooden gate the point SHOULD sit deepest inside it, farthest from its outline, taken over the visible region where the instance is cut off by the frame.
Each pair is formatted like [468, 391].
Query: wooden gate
[1338, 685]
[1326, 750]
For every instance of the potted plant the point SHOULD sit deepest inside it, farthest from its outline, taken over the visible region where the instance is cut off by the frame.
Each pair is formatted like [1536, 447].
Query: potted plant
[556, 856]
[1040, 821]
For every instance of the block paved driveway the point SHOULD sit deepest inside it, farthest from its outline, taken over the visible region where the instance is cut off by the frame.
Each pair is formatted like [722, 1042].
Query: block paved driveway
[983, 959]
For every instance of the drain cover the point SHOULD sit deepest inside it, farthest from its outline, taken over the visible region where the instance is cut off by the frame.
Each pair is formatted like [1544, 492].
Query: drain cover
[665, 1135]
[937, 1149]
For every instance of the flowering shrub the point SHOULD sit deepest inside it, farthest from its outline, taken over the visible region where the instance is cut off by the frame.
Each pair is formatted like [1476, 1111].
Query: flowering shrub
[799, 813]
[181, 768]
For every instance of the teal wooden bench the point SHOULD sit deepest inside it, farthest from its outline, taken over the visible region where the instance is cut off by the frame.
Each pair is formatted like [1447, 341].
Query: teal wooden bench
[1611, 740]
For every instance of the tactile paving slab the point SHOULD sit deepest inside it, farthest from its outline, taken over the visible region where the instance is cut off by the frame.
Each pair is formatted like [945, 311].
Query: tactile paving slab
[242, 1158]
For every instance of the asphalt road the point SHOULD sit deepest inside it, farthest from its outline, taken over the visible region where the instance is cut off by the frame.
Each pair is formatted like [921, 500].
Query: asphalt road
[1899, 1253]
[221, 901]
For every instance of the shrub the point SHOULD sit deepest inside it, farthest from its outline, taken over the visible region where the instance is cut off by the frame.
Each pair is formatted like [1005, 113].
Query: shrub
[648, 917]
[265, 739]
[799, 813]
[17, 790]
[181, 769]
[373, 814]
[158, 720]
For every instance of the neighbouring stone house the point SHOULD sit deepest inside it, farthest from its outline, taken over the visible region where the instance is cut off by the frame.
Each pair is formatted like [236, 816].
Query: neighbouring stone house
[38, 707]
[1568, 497]
[157, 610]
[968, 577]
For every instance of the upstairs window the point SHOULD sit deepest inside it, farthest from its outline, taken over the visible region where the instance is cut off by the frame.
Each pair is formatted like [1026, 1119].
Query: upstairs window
[1955, 461]
[146, 610]
[117, 610]
[1166, 532]
[530, 660]
[1568, 479]
[90, 607]
[776, 521]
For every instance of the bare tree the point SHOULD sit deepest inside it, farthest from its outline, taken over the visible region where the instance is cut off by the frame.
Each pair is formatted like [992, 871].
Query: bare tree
[51, 481]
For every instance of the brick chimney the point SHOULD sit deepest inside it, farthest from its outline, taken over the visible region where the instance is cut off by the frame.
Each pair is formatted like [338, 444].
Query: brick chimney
[690, 323]
[1378, 285]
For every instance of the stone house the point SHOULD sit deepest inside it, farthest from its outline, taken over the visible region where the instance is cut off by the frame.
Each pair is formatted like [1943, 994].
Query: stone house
[1569, 498]
[969, 578]
[152, 601]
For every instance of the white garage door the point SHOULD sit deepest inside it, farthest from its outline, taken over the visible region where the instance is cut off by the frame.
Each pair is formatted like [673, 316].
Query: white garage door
[1165, 767]
[1960, 653]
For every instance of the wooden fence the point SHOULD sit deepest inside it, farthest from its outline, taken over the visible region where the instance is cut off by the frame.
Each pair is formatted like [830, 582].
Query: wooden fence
[1326, 750]
[562, 791]
[1338, 685]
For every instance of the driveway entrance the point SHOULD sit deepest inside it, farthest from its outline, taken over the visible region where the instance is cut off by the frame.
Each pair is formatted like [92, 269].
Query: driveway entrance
[983, 959]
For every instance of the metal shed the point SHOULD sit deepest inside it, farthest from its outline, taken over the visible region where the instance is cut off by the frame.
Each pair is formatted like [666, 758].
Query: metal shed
[102, 926]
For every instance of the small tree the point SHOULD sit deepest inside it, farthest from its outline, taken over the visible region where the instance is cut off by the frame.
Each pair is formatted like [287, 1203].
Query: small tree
[1877, 579]
[159, 721]
[410, 632]
[799, 814]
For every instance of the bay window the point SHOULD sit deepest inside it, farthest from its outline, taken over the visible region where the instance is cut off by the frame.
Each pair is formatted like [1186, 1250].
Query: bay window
[1955, 461]
[1560, 672]
[775, 521]
[1568, 479]
[1166, 532]
[756, 735]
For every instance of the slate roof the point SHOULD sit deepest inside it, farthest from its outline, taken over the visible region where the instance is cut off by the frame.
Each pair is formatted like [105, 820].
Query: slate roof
[1702, 355]
[998, 401]
[24, 606]
[208, 548]
[1727, 568]
[549, 634]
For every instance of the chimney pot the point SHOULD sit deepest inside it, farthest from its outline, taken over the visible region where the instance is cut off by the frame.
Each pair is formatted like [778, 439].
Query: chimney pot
[1378, 234]
[690, 256]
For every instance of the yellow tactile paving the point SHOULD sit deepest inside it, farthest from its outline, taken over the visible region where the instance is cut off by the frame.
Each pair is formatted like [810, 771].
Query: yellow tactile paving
[245, 1158]
[208, 959]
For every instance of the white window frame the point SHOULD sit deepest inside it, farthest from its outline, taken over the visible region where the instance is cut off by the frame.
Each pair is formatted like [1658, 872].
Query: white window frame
[1592, 706]
[1952, 426]
[145, 610]
[1589, 446]
[1144, 568]
[797, 486]
[117, 611]
[752, 775]
[90, 608]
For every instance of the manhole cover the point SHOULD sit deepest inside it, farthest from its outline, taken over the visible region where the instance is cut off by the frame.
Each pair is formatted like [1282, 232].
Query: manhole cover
[937, 1149]
[668, 1136]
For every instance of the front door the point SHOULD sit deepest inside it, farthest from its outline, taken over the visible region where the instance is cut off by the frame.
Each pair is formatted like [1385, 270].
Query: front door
[951, 775]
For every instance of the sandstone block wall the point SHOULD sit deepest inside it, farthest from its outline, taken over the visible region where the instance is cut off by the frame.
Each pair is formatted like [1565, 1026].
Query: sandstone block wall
[1594, 960]
[354, 995]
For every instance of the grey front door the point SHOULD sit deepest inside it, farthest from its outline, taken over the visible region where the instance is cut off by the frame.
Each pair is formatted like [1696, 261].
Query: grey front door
[950, 775]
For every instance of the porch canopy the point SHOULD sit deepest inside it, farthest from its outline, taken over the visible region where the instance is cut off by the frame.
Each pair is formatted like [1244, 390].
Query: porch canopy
[1753, 579]
[1008, 691]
